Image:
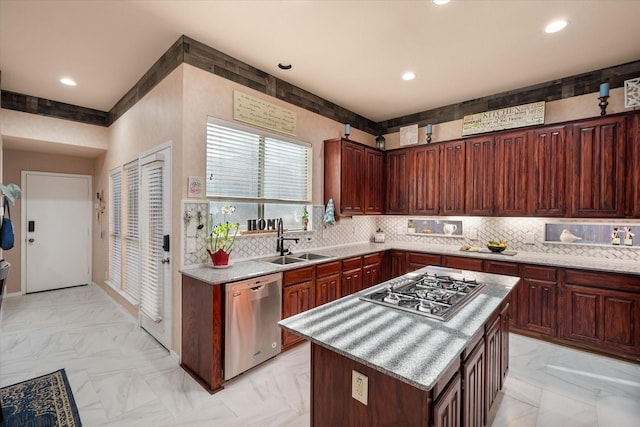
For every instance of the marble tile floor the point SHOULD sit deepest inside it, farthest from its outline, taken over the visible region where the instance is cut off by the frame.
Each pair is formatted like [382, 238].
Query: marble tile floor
[120, 376]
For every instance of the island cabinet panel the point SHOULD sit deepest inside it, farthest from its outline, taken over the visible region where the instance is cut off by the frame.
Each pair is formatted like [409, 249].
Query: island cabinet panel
[202, 332]
[353, 177]
[494, 361]
[328, 277]
[505, 320]
[597, 155]
[548, 181]
[374, 182]
[592, 313]
[371, 269]
[513, 177]
[298, 295]
[447, 410]
[424, 180]
[452, 178]
[390, 402]
[480, 174]
[351, 275]
[538, 299]
[462, 263]
[474, 388]
[633, 172]
[398, 263]
[397, 176]
[417, 260]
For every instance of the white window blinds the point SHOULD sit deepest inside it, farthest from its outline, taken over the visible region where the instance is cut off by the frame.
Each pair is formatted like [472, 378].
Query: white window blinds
[132, 234]
[151, 296]
[247, 165]
[116, 227]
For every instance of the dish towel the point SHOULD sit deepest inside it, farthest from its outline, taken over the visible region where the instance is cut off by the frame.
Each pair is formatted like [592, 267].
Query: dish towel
[329, 215]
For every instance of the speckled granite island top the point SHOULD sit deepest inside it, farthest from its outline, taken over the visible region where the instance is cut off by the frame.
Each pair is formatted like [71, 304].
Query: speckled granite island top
[409, 347]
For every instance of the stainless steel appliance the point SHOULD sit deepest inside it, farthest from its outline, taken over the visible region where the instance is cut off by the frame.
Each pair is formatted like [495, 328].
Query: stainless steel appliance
[252, 335]
[431, 294]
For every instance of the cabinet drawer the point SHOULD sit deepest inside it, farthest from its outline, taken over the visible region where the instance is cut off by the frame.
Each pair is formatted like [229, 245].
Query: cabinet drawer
[292, 277]
[351, 263]
[328, 269]
[501, 267]
[372, 259]
[423, 259]
[615, 281]
[540, 273]
[462, 263]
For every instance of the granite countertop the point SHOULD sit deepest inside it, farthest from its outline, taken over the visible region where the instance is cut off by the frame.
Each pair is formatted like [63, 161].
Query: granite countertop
[409, 347]
[245, 269]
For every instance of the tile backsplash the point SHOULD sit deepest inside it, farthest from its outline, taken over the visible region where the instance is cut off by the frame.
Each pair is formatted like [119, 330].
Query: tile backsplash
[358, 229]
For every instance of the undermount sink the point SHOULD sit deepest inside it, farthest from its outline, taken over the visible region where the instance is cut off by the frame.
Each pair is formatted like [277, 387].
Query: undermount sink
[309, 256]
[283, 260]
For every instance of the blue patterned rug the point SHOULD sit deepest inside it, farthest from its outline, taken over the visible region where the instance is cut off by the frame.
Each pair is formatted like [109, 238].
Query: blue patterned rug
[39, 402]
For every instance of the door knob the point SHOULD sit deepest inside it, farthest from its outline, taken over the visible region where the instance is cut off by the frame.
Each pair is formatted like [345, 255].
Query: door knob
[31, 240]
[165, 261]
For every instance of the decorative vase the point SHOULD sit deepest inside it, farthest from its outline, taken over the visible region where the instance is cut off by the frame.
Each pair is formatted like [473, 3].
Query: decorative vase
[220, 257]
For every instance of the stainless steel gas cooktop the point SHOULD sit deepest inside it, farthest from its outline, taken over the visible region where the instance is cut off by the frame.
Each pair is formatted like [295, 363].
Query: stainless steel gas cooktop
[430, 295]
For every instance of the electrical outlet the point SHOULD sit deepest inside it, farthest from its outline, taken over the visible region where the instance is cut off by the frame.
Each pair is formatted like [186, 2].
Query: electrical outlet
[529, 238]
[191, 245]
[359, 387]
[472, 234]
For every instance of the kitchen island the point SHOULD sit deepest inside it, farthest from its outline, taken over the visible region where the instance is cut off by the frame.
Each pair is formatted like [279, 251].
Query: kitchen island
[411, 370]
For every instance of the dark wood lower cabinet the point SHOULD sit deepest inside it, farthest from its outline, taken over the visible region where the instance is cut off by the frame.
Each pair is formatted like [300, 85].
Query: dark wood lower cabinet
[474, 387]
[351, 276]
[298, 295]
[202, 332]
[447, 410]
[371, 270]
[417, 260]
[493, 348]
[505, 320]
[328, 277]
[398, 263]
[463, 263]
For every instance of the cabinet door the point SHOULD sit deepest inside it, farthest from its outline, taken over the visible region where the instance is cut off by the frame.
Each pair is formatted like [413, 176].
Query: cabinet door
[473, 380]
[598, 168]
[505, 320]
[539, 306]
[352, 184]
[296, 299]
[493, 372]
[633, 156]
[371, 275]
[374, 182]
[397, 171]
[327, 289]
[351, 281]
[417, 260]
[512, 179]
[548, 189]
[398, 263]
[424, 180]
[604, 319]
[447, 411]
[452, 178]
[480, 172]
[462, 263]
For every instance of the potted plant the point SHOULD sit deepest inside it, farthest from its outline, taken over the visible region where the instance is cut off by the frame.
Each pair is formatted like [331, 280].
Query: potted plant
[222, 238]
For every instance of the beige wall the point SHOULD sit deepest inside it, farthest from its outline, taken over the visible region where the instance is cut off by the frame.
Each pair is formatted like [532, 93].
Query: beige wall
[14, 162]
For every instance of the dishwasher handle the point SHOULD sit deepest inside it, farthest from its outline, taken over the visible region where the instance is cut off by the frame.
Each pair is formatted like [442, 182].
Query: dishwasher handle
[257, 288]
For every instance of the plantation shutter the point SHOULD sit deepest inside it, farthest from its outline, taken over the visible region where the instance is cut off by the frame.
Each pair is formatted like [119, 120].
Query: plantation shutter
[132, 236]
[246, 165]
[151, 280]
[116, 228]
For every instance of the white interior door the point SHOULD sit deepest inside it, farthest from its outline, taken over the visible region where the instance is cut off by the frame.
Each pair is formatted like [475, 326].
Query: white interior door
[56, 223]
[155, 230]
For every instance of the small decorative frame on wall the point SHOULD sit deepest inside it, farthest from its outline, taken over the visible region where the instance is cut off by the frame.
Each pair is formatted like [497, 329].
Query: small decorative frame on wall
[632, 93]
[195, 185]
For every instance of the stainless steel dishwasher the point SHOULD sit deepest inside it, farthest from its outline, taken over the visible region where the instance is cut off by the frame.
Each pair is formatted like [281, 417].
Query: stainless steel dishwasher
[252, 335]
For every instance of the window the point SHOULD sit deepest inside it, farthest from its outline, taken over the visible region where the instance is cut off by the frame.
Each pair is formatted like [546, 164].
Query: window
[116, 228]
[263, 175]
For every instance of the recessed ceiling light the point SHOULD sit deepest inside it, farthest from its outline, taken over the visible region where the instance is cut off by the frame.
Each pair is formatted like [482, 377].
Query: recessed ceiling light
[440, 2]
[555, 26]
[408, 76]
[284, 66]
[67, 81]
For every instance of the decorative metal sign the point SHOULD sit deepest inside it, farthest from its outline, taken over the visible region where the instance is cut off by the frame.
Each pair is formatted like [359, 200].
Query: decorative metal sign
[632, 93]
[505, 118]
[255, 111]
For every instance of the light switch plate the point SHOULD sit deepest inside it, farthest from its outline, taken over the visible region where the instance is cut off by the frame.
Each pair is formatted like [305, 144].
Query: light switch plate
[529, 238]
[359, 387]
[191, 245]
[472, 234]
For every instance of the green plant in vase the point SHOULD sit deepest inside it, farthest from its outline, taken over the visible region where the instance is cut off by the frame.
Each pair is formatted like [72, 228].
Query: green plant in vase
[222, 238]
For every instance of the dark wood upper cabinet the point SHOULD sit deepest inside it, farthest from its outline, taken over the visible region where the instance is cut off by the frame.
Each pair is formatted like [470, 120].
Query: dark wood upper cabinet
[480, 176]
[353, 177]
[598, 159]
[424, 180]
[513, 173]
[549, 163]
[633, 156]
[452, 178]
[397, 173]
